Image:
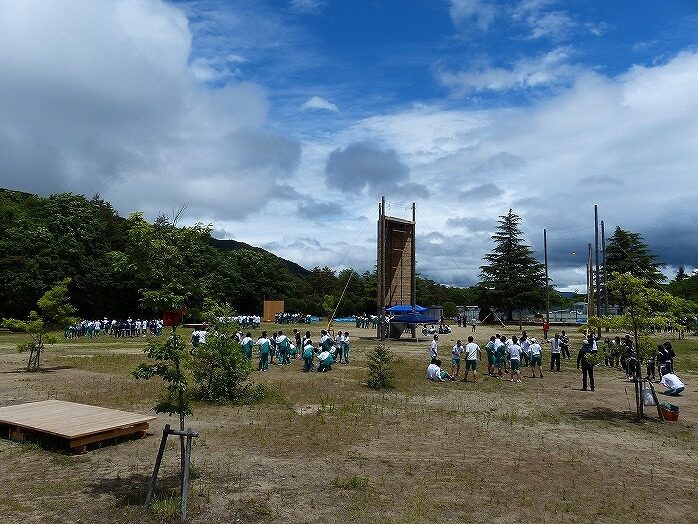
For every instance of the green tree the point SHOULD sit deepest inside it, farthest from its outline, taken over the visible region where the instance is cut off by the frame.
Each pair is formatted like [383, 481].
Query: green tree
[54, 312]
[219, 368]
[380, 371]
[512, 279]
[627, 252]
[450, 309]
[681, 274]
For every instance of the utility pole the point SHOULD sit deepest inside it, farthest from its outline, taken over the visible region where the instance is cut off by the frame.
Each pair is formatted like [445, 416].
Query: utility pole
[596, 253]
[605, 273]
[380, 269]
[547, 281]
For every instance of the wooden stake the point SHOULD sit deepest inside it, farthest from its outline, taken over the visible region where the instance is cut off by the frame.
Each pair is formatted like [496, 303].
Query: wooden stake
[158, 460]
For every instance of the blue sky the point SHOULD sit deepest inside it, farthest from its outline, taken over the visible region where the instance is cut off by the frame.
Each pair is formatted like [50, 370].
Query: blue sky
[282, 122]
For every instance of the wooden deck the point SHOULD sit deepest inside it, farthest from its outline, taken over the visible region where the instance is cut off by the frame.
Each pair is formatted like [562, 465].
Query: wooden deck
[79, 424]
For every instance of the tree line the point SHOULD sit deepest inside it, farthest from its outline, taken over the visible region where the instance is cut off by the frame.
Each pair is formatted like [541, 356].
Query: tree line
[119, 267]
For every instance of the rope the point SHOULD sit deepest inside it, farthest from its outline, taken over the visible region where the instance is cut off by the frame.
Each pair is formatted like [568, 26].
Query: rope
[329, 323]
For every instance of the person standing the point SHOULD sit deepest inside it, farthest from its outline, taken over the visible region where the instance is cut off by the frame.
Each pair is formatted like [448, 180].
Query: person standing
[434, 349]
[472, 355]
[283, 344]
[247, 343]
[555, 352]
[587, 367]
[514, 351]
[474, 324]
[565, 345]
[546, 328]
[536, 353]
[264, 347]
[455, 358]
[345, 347]
[491, 359]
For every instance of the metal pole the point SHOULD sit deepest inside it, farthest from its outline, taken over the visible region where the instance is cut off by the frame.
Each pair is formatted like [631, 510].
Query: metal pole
[605, 273]
[547, 281]
[381, 269]
[158, 461]
[413, 261]
[596, 253]
[590, 285]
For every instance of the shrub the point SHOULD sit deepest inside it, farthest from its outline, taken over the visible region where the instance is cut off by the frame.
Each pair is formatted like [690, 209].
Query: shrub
[380, 372]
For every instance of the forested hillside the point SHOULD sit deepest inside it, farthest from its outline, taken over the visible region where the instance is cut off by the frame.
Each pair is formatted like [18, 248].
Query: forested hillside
[112, 260]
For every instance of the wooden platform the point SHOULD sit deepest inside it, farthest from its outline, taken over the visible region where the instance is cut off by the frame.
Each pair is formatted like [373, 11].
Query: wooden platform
[79, 424]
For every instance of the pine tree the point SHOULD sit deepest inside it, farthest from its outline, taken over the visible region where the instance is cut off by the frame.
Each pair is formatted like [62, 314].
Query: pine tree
[681, 274]
[513, 279]
[628, 252]
[380, 372]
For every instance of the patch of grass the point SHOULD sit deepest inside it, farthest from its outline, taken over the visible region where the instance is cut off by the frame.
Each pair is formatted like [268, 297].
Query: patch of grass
[354, 482]
[166, 509]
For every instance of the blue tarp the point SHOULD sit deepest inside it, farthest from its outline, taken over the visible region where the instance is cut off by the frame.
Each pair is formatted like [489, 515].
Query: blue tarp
[414, 318]
[406, 308]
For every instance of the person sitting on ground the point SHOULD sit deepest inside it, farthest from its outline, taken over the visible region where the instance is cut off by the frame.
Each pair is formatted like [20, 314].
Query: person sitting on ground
[435, 373]
[673, 384]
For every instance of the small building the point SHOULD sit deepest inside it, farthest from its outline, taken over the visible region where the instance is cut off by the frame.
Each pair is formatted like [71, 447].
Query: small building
[469, 313]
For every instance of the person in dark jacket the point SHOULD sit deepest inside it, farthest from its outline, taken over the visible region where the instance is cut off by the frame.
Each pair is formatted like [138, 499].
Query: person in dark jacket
[587, 368]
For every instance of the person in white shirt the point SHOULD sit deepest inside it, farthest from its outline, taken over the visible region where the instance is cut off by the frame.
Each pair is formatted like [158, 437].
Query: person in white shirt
[514, 351]
[455, 358]
[555, 350]
[524, 342]
[472, 355]
[338, 343]
[346, 343]
[435, 373]
[535, 353]
[673, 384]
[434, 349]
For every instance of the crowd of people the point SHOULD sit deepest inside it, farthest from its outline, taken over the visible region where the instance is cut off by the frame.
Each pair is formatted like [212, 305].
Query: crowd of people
[292, 318]
[329, 349]
[508, 356]
[115, 327]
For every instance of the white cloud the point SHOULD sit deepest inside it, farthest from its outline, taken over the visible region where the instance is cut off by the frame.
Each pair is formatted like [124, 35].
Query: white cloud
[626, 143]
[465, 13]
[549, 69]
[556, 25]
[312, 7]
[317, 102]
[117, 109]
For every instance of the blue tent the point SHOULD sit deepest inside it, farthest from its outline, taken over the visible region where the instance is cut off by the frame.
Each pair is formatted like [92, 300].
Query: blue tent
[414, 318]
[406, 308]
[399, 323]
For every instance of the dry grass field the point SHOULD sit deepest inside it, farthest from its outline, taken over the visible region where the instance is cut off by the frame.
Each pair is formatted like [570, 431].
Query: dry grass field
[324, 448]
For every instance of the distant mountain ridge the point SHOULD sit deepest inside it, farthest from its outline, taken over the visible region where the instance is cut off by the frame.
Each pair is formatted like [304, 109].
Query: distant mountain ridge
[234, 245]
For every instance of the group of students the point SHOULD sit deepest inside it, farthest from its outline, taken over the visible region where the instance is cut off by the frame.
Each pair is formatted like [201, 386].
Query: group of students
[507, 357]
[504, 357]
[117, 328]
[330, 349]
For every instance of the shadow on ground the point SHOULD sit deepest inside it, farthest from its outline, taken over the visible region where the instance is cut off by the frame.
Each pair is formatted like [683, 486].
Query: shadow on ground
[609, 415]
[131, 490]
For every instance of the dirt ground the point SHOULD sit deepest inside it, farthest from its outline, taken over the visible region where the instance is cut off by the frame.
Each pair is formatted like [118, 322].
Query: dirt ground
[323, 448]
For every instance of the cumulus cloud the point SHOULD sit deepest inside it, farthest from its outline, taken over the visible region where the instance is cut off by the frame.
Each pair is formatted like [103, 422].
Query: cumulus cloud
[363, 167]
[549, 69]
[317, 102]
[624, 143]
[119, 110]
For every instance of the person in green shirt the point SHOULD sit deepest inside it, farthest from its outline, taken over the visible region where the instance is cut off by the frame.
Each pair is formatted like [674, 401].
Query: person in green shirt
[264, 347]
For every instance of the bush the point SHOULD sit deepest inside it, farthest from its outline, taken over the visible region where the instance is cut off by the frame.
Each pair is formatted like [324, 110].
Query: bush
[220, 369]
[380, 372]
